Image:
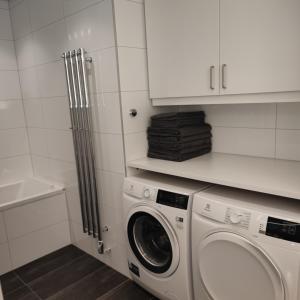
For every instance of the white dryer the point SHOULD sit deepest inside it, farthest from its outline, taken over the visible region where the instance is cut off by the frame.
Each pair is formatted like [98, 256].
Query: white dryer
[245, 246]
[157, 212]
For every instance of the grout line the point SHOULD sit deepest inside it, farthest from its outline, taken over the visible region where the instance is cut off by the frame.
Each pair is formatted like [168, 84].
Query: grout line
[25, 284]
[115, 289]
[59, 268]
[81, 279]
[276, 129]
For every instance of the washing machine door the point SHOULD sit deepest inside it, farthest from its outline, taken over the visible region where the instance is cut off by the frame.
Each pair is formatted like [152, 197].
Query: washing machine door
[153, 241]
[233, 268]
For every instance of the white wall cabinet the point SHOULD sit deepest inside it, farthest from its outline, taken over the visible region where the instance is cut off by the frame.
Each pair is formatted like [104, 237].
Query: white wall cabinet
[183, 47]
[222, 47]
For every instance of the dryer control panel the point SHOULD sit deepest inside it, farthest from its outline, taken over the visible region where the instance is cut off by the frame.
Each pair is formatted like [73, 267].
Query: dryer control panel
[280, 229]
[226, 214]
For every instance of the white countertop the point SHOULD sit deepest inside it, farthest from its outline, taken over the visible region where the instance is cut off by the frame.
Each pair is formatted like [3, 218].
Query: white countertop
[272, 176]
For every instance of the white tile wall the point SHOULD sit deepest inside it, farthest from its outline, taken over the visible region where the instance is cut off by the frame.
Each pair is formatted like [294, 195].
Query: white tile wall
[44, 12]
[130, 24]
[24, 238]
[288, 144]
[11, 114]
[9, 85]
[92, 27]
[5, 261]
[7, 55]
[20, 19]
[3, 236]
[39, 243]
[15, 168]
[5, 26]
[133, 69]
[13, 142]
[3, 4]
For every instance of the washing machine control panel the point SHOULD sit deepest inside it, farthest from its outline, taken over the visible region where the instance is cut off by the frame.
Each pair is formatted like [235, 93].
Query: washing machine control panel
[161, 196]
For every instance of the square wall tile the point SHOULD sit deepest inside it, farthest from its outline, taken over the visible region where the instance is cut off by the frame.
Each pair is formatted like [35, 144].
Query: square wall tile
[288, 115]
[107, 114]
[56, 113]
[241, 115]
[244, 141]
[133, 69]
[288, 144]
[29, 83]
[136, 145]
[9, 85]
[130, 24]
[5, 261]
[38, 141]
[7, 55]
[15, 168]
[141, 102]
[51, 79]
[39, 243]
[5, 25]
[73, 6]
[60, 145]
[34, 113]
[46, 212]
[109, 152]
[103, 72]
[3, 237]
[3, 4]
[92, 27]
[44, 12]
[73, 200]
[50, 42]
[13, 142]
[11, 114]
[112, 190]
[25, 51]
[20, 19]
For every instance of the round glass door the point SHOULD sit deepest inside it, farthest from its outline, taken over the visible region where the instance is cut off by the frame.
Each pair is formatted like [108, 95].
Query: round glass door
[151, 242]
[233, 268]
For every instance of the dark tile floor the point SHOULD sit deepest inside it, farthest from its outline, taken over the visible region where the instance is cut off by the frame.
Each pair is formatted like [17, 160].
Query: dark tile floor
[69, 274]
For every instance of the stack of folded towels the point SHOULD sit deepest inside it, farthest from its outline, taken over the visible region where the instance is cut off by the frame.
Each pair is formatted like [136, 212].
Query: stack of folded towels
[179, 136]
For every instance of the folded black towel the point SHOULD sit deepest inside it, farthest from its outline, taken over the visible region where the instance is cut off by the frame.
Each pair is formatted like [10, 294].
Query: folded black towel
[179, 132]
[178, 116]
[178, 157]
[178, 146]
[197, 120]
[177, 139]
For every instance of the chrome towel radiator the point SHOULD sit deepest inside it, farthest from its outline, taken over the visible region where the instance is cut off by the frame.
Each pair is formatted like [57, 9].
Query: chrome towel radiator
[81, 125]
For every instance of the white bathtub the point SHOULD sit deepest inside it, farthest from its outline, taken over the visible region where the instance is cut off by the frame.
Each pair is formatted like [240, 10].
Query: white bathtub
[33, 221]
[28, 190]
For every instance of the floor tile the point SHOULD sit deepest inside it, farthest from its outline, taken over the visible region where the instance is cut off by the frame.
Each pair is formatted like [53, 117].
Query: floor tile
[92, 286]
[10, 282]
[128, 291]
[48, 263]
[53, 282]
[22, 293]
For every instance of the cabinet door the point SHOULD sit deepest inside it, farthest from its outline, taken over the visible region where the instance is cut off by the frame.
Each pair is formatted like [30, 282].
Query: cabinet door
[183, 47]
[260, 46]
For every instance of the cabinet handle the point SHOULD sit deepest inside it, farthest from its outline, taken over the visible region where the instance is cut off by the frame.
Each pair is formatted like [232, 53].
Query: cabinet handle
[224, 85]
[212, 77]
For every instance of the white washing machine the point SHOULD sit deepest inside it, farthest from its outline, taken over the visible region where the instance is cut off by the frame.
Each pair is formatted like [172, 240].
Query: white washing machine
[157, 212]
[245, 246]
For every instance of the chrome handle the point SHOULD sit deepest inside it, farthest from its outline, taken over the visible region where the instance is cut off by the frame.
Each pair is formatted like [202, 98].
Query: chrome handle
[212, 77]
[224, 84]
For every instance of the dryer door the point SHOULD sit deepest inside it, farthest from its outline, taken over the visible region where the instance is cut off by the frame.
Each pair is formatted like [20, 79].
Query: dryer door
[152, 241]
[233, 268]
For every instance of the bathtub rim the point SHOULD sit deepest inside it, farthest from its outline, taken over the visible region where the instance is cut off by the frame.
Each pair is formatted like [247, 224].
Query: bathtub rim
[57, 189]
